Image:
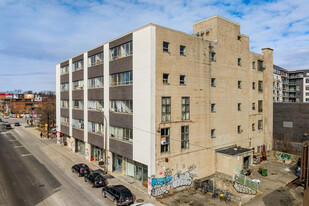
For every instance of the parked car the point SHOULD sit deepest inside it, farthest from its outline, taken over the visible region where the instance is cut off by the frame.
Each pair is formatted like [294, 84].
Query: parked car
[119, 194]
[96, 179]
[5, 122]
[7, 126]
[17, 124]
[81, 169]
[5, 117]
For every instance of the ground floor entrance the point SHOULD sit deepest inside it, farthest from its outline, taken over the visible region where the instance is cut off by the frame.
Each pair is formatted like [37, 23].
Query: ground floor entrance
[80, 146]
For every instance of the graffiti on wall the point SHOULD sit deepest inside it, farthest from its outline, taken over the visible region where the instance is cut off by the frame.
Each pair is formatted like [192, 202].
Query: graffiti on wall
[240, 188]
[181, 180]
[161, 186]
[283, 156]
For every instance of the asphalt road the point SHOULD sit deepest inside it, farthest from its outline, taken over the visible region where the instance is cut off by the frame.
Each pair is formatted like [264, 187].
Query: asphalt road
[29, 177]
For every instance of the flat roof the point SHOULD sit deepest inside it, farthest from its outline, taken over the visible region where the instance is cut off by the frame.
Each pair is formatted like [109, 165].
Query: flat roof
[233, 151]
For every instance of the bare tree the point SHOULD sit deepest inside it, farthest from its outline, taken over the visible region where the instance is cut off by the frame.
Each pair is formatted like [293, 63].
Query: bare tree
[48, 115]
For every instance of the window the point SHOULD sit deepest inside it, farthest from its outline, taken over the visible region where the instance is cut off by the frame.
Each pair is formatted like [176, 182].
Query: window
[307, 99]
[212, 133]
[213, 56]
[258, 149]
[121, 133]
[213, 108]
[253, 106]
[96, 82]
[253, 85]
[213, 82]
[185, 108]
[166, 109]
[166, 78]
[78, 123]
[238, 37]
[121, 51]
[96, 105]
[253, 65]
[78, 65]
[239, 106]
[65, 121]
[239, 85]
[182, 50]
[95, 127]
[239, 129]
[253, 127]
[124, 78]
[307, 87]
[64, 70]
[64, 87]
[307, 93]
[78, 104]
[64, 104]
[78, 85]
[165, 140]
[260, 106]
[307, 80]
[96, 59]
[260, 125]
[121, 106]
[260, 66]
[260, 86]
[182, 80]
[166, 46]
[239, 61]
[184, 137]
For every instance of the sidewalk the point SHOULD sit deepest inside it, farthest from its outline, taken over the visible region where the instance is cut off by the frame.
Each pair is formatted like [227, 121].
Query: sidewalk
[113, 178]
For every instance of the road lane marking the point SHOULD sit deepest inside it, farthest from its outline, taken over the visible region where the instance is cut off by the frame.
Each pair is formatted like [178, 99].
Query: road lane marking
[25, 155]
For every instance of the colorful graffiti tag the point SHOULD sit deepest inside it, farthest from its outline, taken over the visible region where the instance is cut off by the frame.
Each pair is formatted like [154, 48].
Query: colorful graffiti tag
[161, 181]
[181, 180]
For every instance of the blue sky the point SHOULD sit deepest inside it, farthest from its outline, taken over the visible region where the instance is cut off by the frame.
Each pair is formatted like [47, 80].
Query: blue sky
[35, 35]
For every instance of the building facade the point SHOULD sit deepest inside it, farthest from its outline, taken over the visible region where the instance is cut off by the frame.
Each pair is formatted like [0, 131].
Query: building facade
[171, 103]
[280, 85]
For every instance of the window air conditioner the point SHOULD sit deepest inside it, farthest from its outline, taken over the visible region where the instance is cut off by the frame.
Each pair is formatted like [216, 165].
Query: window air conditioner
[264, 67]
[202, 32]
[163, 142]
[207, 30]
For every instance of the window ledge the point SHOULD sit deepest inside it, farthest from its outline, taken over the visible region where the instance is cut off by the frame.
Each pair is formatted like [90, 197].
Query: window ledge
[166, 83]
[121, 113]
[182, 85]
[121, 140]
[96, 88]
[123, 85]
[89, 67]
[120, 58]
[77, 128]
[78, 69]
[96, 133]
[167, 52]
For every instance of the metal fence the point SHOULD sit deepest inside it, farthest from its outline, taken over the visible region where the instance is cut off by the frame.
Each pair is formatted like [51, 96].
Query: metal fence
[243, 179]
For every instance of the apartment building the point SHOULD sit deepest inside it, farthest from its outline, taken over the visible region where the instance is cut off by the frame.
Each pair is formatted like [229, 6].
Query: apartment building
[290, 86]
[280, 85]
[174, 105]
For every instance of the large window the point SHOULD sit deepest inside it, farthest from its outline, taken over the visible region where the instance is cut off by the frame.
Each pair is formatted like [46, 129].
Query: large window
[121, 51]
[260, 66]
[166, 109]
[95, 127]
[260, 125]
[165, 140]
[96, 59]
[64, 104]
[96, 105]
[166, 46]
[64, 87]
[260, 86]
[78, 104]
[64, 70]
[121, 133]
[78, 65]
[96, 82]
[65, 121]
[260, 105]
[184, 137]
[121, 79]
[124, 106]
[78, 85]
[78, 123]
[185, 108]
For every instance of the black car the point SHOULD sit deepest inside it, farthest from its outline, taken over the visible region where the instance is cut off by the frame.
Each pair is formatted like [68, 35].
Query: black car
[81, 169]
[17, 124]
[7, 126]
[96, 179]
[119, 194]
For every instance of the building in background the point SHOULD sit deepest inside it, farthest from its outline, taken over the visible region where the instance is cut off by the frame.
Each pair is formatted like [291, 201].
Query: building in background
[171, 102]
[290, 86]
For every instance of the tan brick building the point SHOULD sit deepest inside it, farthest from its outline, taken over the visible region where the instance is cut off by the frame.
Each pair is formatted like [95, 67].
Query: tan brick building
[177, 106]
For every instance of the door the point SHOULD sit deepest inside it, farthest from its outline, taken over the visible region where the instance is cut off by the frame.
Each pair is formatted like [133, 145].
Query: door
[130, 169]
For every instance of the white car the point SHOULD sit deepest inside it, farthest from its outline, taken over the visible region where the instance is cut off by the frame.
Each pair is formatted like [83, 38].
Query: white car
[5, 117]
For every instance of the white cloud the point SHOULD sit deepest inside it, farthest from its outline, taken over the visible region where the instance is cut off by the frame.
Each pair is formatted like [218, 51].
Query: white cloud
[40, 34]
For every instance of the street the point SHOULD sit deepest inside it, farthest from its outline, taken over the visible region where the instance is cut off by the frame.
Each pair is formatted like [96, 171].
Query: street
[30, 177]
